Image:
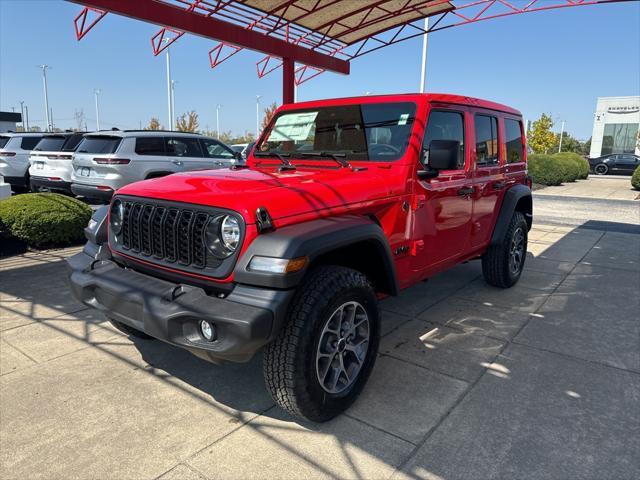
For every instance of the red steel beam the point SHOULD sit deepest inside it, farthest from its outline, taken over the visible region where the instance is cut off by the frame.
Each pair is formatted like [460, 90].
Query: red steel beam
[164, 14]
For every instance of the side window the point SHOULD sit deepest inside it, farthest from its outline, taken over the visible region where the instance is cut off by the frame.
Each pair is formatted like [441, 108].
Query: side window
[486, 140]
[513, 140]
[213, 149]
[29, 142]
[150, 145]
[445, 125]
[183, 147]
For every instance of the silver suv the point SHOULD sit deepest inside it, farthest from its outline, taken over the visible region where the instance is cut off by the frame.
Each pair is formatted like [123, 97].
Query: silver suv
[105, 161]
[51, 162]
[14, 157]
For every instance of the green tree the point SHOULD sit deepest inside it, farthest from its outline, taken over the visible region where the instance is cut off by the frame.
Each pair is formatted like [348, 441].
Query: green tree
[541, 138]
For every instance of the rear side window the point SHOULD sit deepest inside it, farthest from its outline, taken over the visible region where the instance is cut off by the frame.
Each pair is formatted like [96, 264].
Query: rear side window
[183, 147]
[28, 143]
[150, 145]
[3, 141]
[513, 140]
[50, 144]
[72, 142]
[213, 149]
[486, 140]
[444, 125]
[99, 144]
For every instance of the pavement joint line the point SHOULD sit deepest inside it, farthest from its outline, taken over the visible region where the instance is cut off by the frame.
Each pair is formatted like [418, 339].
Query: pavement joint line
[189, 467]
[39, 320]
[395, 435]
[574, 358]
[472, 385]
[424, 367]
[22, 352]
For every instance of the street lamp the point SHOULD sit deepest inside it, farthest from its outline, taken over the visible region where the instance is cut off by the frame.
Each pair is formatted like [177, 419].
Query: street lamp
[561, 135]
[258, 97]
[169, 86]
[96, 93]
[173, 98]
[22, 114]
[423, 75]
[46, 95]
[218, 106]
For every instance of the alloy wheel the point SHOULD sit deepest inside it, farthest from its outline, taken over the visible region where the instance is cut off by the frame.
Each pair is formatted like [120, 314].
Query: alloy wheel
[516, 251]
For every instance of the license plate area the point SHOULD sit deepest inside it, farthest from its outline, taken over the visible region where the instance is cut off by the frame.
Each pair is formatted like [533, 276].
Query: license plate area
[85, 171]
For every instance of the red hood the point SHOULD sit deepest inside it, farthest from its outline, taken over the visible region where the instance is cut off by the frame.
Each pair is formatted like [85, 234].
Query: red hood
[283, 194]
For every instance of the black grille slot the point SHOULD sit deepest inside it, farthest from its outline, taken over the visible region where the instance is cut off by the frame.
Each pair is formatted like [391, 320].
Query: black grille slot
[168, 234]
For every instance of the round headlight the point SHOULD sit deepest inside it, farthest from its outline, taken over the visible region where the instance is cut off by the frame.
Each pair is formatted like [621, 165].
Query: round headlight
[116, 216]
[230, 232]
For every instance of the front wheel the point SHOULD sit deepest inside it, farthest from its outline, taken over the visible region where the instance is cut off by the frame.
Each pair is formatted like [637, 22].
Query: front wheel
[502, 264]
[601, 169]
[322, 358]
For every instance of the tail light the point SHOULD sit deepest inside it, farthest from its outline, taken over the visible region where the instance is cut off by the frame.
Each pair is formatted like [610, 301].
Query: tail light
[112, 161]
[7, 154]
[104, 188]
[54, 179]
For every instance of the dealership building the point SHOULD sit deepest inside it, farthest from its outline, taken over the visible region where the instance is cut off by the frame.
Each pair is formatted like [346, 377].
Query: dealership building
[615, 127]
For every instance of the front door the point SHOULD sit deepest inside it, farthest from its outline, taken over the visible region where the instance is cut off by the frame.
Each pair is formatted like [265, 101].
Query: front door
[626, 163]
[442, 206]
[186, 153]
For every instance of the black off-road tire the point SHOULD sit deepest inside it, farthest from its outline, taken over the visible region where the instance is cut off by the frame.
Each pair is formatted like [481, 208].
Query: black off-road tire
[496, 267]
[290, 360]
[127, 330]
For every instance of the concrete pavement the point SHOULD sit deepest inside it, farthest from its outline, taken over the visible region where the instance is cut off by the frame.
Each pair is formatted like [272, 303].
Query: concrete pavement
[539, 381]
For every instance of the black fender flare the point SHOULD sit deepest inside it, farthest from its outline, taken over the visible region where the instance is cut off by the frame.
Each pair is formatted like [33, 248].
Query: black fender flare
[313, 239]
[512, 197]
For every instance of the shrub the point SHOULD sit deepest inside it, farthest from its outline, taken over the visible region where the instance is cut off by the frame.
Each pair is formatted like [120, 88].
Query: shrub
[580, 165]
[635, 179]
[43, 219]
[545, 170]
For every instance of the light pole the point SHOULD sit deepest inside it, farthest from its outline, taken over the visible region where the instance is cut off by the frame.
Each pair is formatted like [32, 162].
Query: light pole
[423, 75]
[96, 93]
[173, 98]
[218, 106]
[169, 88]
[258, 115]
[26, 112]
[22, 114]
[46, 95]
[561, 135]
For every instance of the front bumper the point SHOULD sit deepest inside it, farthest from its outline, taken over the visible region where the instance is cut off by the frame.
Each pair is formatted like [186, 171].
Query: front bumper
[245, 320]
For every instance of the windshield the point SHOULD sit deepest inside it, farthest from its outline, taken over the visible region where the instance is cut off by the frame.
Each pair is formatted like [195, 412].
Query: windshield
[377, 131]
[99, 144]
[3, 141]
[50, 144]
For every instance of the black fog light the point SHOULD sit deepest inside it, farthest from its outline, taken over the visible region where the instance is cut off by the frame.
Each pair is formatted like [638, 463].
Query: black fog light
[207, 330]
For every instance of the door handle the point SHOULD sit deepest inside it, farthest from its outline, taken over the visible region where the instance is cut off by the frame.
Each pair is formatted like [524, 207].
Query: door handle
[177, 162]
[463, 192]
[499, 185]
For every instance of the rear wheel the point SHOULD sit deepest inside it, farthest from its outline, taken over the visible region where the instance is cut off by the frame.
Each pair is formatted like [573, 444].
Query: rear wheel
[127, 330]
[322, 358]
[601, 169]
[502, 264]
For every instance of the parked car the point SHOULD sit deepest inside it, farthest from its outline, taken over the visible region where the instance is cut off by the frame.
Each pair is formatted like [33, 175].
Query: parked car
[238, 147]
[14, 158]
[50, 162]
[107, 160]
[292, 251]
[246, 151]
[615, 163]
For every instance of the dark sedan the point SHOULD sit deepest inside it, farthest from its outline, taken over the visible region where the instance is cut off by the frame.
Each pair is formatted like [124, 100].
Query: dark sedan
[615, 163]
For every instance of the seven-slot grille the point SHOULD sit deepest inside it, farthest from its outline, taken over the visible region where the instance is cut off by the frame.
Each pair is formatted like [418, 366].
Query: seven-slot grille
[174, 235]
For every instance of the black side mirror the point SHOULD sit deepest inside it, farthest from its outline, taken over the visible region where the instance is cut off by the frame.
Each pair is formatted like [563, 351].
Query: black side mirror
[443, 154]
[238, 156]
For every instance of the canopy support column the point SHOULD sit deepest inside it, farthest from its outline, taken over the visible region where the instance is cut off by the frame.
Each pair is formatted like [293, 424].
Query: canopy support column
[288, 80]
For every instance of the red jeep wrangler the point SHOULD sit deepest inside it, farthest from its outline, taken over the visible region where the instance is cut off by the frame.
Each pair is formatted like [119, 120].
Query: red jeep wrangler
[341, 203]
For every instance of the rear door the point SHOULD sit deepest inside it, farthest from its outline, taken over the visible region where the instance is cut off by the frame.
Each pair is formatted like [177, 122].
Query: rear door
[185, 153]
[443, 205]
[489, 179]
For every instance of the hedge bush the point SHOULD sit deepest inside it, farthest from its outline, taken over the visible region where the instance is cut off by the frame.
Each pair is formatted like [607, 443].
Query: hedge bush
[558, 168]
[635, 179]
[41, 219]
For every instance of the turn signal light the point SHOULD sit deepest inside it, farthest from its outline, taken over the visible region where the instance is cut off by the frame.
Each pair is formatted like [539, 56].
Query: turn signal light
[112, 161]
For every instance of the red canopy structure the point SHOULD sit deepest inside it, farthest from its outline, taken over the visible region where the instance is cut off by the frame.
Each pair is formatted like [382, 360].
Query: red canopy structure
[317, 35]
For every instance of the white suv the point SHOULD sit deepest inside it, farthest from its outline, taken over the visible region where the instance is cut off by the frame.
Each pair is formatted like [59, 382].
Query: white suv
[107, 160]
[14, 157]
[50, 161]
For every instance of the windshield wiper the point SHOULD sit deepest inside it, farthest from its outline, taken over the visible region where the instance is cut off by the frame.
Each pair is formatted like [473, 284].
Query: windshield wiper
[283, 157]
[338, 157]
